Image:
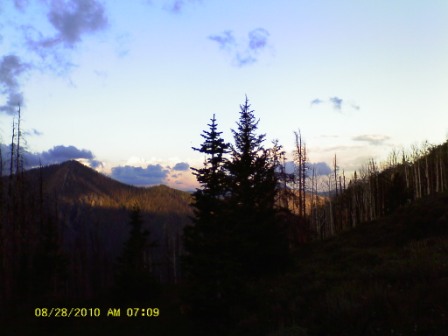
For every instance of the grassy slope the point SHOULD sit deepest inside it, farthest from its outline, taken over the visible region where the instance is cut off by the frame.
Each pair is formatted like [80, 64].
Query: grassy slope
[388, 277]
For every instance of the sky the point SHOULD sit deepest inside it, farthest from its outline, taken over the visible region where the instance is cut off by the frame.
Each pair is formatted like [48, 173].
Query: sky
[127, 87]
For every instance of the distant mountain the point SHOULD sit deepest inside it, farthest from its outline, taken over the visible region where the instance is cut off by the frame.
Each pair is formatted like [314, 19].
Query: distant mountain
[74, 182]
[93, 215]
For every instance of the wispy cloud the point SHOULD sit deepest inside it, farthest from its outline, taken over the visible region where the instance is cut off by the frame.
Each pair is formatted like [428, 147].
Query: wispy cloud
[72, 19]
[177, 6]
[21, 4]
[244, 51]
[316, 101]
[372, 139]
[32, 132]
[355, 106]
[337, 103]
[258, 39]
[11, 69]
[226, 40]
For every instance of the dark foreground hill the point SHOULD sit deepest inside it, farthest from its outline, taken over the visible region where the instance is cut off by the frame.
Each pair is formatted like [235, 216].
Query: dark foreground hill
[386, 277]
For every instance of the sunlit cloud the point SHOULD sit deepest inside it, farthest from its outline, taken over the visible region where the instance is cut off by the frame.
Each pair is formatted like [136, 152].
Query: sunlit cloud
[372, 139]
[181, 166]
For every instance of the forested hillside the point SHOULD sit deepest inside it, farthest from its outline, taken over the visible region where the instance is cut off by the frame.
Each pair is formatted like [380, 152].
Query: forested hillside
[256, 250]
[374, 192]
[63, 230]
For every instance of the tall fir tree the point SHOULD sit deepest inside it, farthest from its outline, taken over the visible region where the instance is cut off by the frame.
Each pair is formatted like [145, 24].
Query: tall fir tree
[260, 243]
[205, 263]
[235, 238]
[134, 281]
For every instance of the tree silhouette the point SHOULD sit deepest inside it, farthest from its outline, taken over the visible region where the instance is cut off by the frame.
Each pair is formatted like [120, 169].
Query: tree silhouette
[235, 237]
[134, 281]
[205, 263]
[260, 245]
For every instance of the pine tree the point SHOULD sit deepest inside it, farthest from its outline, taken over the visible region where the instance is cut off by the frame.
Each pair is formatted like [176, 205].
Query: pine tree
[134, 281]
[260, 245]
[205, 263]
[209, 200]
[235, 237]
[211, 176]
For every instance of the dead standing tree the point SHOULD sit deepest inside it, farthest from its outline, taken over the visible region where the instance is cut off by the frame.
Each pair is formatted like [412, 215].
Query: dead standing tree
[300, 161]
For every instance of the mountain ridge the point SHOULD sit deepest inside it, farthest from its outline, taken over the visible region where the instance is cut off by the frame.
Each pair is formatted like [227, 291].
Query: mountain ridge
[92, 212]
[73, 182]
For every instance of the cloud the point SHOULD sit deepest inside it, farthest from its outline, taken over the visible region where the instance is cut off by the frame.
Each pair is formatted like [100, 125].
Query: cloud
[354, 106]
[372, 139]
[322, 168]
[177, 6]
[32, 132]
[244, 52]
[336, 102]
[226, 40]
[64, 153]
[122, 44]
[152, 174]
[258, 39]
[21, 4]
[316, 101]
[181, 166]
[72, 19]
[11, 68]
[57, 154]
[93, 163]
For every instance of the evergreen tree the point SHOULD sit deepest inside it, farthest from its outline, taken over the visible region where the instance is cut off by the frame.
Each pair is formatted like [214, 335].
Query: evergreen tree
[235, 237]
[211, 176]
[261, 245]
[134, 281]
[206, 265]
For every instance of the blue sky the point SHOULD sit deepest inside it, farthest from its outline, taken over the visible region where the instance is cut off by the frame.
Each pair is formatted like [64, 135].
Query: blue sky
[128, 86]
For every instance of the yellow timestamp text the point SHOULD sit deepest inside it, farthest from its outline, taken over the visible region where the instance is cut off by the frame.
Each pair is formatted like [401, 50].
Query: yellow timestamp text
[96, 312]
[67, 312]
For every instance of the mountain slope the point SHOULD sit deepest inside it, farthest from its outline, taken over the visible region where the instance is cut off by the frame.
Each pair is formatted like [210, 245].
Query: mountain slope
[73, 182]
[92, 212]
[386, 277]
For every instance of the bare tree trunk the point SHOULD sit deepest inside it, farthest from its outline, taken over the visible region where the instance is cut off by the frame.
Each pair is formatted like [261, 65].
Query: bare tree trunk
[11, 166]
[19, 136]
